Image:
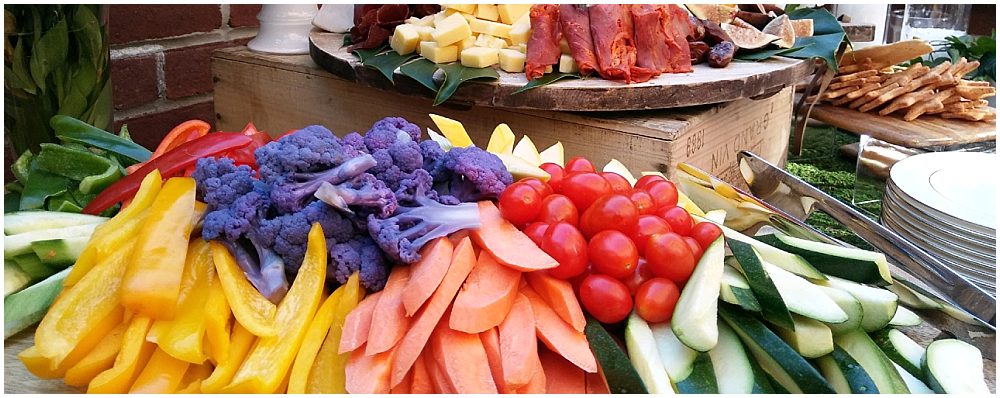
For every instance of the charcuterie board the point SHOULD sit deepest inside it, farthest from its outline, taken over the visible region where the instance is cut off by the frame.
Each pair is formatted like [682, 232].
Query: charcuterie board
[705, 85]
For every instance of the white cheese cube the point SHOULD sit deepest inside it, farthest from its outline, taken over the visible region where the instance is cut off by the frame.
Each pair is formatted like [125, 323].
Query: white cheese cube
[491, 28]
[438, 54]
[567, 64]
[467, 42]
[512, 12]
[424, 32]
[404, 39]
[451, 30]
[480, 57]
[511, 61]
[466, 8]
[520, 31]
[488, 12]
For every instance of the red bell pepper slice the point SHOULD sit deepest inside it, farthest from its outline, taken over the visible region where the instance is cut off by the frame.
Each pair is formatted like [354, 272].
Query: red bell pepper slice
[184, 132]
[170, 164]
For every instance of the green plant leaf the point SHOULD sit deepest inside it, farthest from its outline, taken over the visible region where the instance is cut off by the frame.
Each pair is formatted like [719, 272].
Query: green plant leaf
[826, 39]
[455, 74]
[546, 80]
[87, 32]
[49, 53]
[387, 62]
[421, 70]
[364, 54]
[20, 68]
[760, 55]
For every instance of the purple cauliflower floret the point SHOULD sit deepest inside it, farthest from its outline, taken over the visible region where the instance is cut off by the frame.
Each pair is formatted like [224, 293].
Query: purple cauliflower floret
[385, 132]
[294, 191]
[364, 192]
[288, 234]
[307, 150]
[432, 152]
[219, 182]
[361, 255]
[237, 220]
[472, 174]
[354, 144]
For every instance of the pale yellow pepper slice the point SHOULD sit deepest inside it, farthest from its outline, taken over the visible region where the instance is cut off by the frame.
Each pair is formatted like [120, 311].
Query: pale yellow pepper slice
[251, 309]
[161, 375]
[267, 365]
[195, 375]
[131, 359]
[239, 346]
[315, 335]
[218, 323]
[327, 374]
[184, 338]
[45, 368]
[101, 358]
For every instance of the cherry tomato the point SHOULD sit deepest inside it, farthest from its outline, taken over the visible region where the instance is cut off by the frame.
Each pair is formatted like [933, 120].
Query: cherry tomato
[579, 164]
[670, 257]
[556, 208]
[678, 218]
[705, 233]
[609, 212]
[643, 201]
[566, 245]
[655, 299]
[645, 180]
[696, 249]
[556, 174]
[536, 231]
[539, 185]
[618, 183]
[584, 188]
[520, 204]
[606, 298]
[612, 253]
[664, 193]
[647, 225]
[641, 274]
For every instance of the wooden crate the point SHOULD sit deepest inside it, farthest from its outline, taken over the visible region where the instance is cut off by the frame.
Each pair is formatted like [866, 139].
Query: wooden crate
[280, 93]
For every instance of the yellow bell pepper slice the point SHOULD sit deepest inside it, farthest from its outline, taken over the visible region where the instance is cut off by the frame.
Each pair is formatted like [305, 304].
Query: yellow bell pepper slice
[315, 335]
[184, 338]
[161, 375]
[152, 280]
[45, 368]
[217, 323]
[101, 358]
[240, 343]
[267, 365]
[251, 309]
[121, 227]
[327, 375]
[132, 358]
[195, 375]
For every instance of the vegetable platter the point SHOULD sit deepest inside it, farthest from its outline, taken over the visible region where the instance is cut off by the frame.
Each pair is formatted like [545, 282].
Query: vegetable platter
[386, 262]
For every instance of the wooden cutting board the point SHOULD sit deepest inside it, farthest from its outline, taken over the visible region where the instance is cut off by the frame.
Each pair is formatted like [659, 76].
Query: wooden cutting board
[705, 85]
[926, 131]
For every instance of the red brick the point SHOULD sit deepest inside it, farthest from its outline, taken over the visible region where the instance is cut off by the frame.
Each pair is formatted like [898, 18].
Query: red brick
[243, 15]
[187, 71]
[129, 23]
[148, 130]
[133, 81]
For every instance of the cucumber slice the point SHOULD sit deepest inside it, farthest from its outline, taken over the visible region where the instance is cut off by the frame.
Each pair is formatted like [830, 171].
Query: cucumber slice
[804, 298]
[33, 266]
[677, 358]
[845, 262]
[26, 307]
[905, 317]
[878, 305]
[790, 262]
[845, 374]
[695, 320]
[772, 306]
[788, 369]
[14, 279]
[27, 221]
[14, 245]
[954, 367]
[915, 385]
[734, 371]
[644, 356]
[617, 371]
[736, 290]
[876, 363]
[901, 349]
[701, 379]
[60, 252]
[810, 338]
[850, 305]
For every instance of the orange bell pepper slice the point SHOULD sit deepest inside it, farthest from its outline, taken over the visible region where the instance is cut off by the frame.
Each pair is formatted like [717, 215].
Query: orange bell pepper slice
[217, 322]
[152, 281]
[240, 343]
[161, 375]
[184, 132]
[327, 374]
[268, 363]
[311, 344]
[131, 359]
[183, 340]
[254, 311]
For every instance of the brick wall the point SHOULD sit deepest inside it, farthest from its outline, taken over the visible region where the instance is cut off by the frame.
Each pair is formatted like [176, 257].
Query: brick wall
[160, 62]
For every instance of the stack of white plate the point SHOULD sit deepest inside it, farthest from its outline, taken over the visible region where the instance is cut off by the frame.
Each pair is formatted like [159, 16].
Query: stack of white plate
[946, 203]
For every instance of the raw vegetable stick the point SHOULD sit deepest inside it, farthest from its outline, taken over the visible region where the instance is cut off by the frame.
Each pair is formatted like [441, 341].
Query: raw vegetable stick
[250, 308]
[596, 382]
[318, 328]
[537, 383]
[491, 342]
[389, 320]
[558, 293]
[518, 344]
[561, 377]
[240, 343]
[486, 296]
[405, 386]
[426, 274]
[132, 357]
[327, 374]
[195, 375]
[422, 383]
[101, 358]
[423, 324]
[432, 359]
[368, 374]
[507, 244]
[41, 366]
[161, 375]
[358, 323]
[218, 322]
[560, 336]
[463, 360]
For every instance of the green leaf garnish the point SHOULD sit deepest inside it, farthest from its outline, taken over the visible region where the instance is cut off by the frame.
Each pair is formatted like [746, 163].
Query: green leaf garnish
[764, 54]
[455, 74]
[421, 70]
[546, 80]
[364, 54]
[387, 62]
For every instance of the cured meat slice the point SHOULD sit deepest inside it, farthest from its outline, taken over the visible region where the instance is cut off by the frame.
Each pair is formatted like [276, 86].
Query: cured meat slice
[679, 29]
[576, 30]
[543, 45]
[612, 31]
[651, 37]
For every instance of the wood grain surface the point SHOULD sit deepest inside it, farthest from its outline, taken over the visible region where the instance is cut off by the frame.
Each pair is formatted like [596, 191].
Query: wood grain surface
[705, 85]
[926, 131]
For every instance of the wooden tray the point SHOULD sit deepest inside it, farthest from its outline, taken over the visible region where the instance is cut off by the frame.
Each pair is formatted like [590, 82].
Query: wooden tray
[705, 85]
[926, 131]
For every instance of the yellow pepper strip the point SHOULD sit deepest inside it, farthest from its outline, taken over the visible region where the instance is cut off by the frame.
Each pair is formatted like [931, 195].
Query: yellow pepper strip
[251, 309]
[240, 343]
[152, 280]
[132, 358]
[114, 231]
[43, 367]
[327, 375]
[284, 384]
[159, 328]
[315, 335]
[195, 375]
[101, 358]
[184, 339]
[80, 308]
[161, 375]
[217, 323]
[268, 362]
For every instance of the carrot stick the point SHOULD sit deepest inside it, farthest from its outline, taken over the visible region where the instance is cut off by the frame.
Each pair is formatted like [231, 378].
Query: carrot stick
[507, 244]
[432, 361]
[491, 342]
[559, 335]
[405, 386]
[426, 274]
[486, 297]
[422, 383]
[536, 385]
[561, 377]
[464, 361]
[368, 374]
[518, 344]
[426, 320]
[389, 321]
[596, 383]
[358, 323]
[558, 293]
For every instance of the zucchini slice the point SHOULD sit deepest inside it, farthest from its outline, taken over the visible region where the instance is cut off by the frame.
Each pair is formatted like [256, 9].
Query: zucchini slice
[701, 379]
[804, 298]
[955, 367]
[850, 305]
[735, 373]
[788, 369]
[676, 357]
[810, 338]
[736, 290]
[912, 298]
[645, 357]
[915, 385]
[845, 374]
[876, 363]
[845, 262]
[695, 319]
[618, 372]
[772, 306]
[14, 245]
[905, 317]
[793, 263]
[901, 349]
[878, 305]
[26, 221]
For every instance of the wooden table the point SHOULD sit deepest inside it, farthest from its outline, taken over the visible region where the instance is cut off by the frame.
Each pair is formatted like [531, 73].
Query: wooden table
[925, 132]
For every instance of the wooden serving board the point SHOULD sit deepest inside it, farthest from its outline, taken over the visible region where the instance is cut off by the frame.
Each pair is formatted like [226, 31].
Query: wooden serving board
[926, 131]
[705, 85]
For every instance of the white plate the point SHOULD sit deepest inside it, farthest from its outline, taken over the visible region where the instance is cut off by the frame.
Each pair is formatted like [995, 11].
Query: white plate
[948, 235]
[938, 221]
[960, 184]
[978, 259]
[956, 264]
